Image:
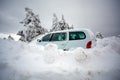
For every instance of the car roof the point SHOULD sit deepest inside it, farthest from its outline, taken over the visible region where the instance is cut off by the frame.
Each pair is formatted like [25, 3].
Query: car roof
[80, 29]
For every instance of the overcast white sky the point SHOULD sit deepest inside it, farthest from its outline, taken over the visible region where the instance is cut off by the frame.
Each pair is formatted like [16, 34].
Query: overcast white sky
[98, 15]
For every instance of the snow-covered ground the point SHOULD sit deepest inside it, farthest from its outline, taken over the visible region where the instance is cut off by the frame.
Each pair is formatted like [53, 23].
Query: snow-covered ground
[23, 61]
[14, 36]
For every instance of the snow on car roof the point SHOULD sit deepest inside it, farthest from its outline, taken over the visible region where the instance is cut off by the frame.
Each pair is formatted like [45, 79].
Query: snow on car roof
[80, 29]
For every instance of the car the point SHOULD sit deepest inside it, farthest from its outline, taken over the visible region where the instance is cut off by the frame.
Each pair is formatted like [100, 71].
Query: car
[69, 39]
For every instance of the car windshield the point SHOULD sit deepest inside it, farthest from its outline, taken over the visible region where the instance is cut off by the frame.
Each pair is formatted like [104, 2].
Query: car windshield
[46, 38]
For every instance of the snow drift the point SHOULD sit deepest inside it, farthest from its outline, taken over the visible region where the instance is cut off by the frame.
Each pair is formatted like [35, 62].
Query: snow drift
[14, 36]
[22, 61]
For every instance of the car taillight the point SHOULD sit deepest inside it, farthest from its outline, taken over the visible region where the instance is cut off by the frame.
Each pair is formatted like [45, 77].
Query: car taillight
[89, 44]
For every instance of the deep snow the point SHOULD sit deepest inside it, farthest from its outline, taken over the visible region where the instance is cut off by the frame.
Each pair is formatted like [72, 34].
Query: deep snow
[14, 36]
[23, 61]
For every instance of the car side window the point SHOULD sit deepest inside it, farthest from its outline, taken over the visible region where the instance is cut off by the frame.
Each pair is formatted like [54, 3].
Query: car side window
[77, 35]
[46, 38]
[58, 37]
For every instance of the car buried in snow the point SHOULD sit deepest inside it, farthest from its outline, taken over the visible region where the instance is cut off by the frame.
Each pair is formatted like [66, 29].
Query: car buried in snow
[69, 39]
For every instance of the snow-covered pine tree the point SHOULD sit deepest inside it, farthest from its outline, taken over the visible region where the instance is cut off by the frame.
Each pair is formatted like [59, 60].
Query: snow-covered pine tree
[63, 25]
[32, 25]
[54, 23]
[22, 34]
[99, 35]
[59, 25]
[10, 37]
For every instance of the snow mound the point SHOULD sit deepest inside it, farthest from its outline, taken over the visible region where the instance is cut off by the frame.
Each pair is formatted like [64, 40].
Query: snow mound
[23, 61]
[80, 54]
[15, 37]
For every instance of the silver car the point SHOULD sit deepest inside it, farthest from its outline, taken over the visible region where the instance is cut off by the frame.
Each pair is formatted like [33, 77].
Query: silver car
[69, 39]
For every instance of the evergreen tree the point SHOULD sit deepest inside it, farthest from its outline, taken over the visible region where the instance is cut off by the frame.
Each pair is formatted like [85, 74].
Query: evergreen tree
[59, 25]
[10, 37]
[54, 23]
[62, 24]
[33, 26]
[99, 35]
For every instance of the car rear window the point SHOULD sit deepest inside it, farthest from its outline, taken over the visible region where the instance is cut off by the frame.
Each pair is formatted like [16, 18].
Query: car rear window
[58, 37]
[77, 35]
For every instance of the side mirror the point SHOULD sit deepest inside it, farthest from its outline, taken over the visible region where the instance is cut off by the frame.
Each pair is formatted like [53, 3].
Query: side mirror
[38, 40]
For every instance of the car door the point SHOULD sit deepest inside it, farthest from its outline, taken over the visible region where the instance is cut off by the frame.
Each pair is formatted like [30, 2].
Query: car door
[76, 39]
[60, 39]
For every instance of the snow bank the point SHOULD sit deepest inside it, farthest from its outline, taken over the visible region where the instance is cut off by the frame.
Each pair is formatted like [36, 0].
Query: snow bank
[22, 61]
[15, 37]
